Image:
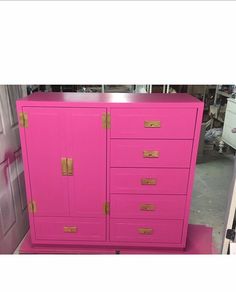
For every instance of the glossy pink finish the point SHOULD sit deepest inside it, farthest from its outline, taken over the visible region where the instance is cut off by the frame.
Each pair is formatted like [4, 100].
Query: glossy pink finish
[163, 230]
[87, 146]
[129, 153]
[129, 123]
[164, 206]
[52, 228]
[71, 125]
[168, 180]
[45, 146]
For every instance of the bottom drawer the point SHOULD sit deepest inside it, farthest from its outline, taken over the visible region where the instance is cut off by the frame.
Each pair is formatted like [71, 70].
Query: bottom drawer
[136, 230]
[62, 228]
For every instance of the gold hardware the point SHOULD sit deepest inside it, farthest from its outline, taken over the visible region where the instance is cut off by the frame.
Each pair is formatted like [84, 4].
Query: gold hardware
[148, 181]
[32, 207]
[70, 170]
[146, 231]
[147, 207]
[63, 166]
[106, 120]
[70, 229]
[151, 154]
[106, 208]
[152, 124]
[23, 119]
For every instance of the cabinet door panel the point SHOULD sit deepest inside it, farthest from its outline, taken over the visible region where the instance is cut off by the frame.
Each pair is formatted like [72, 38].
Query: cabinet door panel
[45, 140]
[87, 148]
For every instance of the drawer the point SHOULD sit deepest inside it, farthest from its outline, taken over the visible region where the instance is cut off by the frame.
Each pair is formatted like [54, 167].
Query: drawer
[137, 230]
[148, 181]
[150, 153]
[165, 123]
[63, 228]
[230, 119]
[147, 206]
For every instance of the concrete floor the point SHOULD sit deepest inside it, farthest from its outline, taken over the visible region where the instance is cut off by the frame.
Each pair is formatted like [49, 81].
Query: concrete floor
[210, 195]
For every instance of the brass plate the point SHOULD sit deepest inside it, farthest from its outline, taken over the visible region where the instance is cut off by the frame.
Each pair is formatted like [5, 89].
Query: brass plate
[147, 207]
[70, 229]
[106, 208]
[148, 181]
[145, 231]
[151, 154]
[152, 124]
[23, 120]
[70, 170]
[63, 166]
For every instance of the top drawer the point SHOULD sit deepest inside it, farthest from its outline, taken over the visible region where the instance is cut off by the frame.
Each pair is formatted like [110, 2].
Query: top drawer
[157, 123]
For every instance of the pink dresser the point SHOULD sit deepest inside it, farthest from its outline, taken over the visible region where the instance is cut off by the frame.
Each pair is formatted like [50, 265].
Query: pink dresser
[109, 170]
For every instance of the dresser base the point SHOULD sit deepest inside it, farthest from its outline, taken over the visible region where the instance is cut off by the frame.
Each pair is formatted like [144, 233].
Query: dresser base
[199, 241]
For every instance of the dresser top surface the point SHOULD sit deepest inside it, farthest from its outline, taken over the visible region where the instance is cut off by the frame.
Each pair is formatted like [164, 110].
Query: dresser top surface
[57, 98]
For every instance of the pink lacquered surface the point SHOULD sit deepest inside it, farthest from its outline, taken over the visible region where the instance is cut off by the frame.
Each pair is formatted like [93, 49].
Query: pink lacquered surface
[168, 181]
[171, 153]
[162, 230]
[45, 138]
[174, 123]
[50, 228]
[86, 144]
[160, 207]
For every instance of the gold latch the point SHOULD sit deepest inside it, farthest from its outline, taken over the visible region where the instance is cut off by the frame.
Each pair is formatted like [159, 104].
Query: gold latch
[151, 154]
[147, 207]
[106, 208]
[148, 181]
[70, 229]
[106, 120]
[67, 166]
[23, 120]
[152, 124]
[32, 207]
[145, 231]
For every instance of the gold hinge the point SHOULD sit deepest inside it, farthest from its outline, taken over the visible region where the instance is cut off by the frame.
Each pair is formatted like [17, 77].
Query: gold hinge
[106, 208]
[32, 207]
[106, 120]
[23, 119]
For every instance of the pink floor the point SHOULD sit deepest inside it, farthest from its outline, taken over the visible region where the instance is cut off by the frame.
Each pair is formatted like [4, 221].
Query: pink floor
[199, 241]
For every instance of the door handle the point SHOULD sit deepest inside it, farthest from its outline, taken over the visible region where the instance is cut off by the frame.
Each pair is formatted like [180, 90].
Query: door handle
[70, 168]
[63, 166]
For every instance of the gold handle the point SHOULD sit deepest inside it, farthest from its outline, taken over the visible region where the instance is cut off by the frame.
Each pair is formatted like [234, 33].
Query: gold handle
[151, 154]
[70, 170]
[146, 231]
[147, 207]
[63, 166]
[70, 229]
[148, 181]
[152, 124]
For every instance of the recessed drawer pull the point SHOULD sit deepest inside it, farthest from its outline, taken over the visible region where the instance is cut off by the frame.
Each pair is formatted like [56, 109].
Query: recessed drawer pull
[70, 229]
[152, 124]
[145, 231]
[147, 207]
[151, 154]
[148, 181]
[70, 166]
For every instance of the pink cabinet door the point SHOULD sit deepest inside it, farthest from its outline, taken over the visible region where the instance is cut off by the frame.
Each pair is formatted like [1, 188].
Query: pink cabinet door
[87, 148]
[45, 140]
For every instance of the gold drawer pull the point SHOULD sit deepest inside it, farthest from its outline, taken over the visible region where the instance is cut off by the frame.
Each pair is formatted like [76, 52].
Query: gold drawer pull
[63, 166]
[152, 124]
[145, 231]
[148, 181]
[70, 166]
[151, 154]
[70, 229]
[147, 207]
